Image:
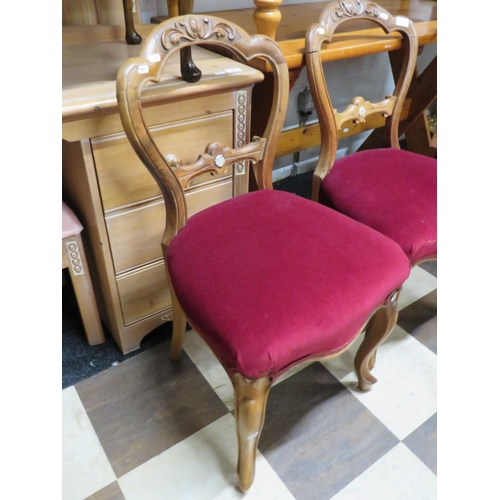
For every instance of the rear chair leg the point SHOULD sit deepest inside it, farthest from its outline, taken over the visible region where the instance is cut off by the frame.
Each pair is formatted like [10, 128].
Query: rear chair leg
[179, 328]
[379, 328]
[250, 398]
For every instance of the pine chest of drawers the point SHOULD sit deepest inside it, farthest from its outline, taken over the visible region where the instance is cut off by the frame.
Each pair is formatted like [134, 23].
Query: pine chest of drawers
[116, 198]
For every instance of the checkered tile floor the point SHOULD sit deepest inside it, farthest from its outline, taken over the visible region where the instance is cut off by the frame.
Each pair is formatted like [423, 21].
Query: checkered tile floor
[148, 429]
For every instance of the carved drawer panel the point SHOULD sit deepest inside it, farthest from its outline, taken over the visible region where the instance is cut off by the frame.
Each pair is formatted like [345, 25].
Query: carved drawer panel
[144, 292]
[123, 179]
[135, 235]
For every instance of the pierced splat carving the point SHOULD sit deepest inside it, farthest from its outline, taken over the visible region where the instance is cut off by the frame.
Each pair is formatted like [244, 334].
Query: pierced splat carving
[359, 110]
[171, 174]
[192, 28]
[216, 159]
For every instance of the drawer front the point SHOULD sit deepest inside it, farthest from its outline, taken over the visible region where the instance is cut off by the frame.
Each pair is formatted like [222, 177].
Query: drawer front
[123, 179]
[135, 235]
[144, 292]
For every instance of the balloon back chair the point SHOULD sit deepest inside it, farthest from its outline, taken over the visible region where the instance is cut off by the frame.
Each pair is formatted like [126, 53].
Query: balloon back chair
[391, 190]
[268, 279]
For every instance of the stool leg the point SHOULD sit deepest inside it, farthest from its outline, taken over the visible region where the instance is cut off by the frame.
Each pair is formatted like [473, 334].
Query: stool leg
[250, 398]
[84, 291]
[380, 326]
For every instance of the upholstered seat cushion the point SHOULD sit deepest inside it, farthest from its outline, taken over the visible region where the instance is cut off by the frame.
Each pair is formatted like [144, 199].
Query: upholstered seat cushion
[71, 226]
[390, 190]
[268, 278]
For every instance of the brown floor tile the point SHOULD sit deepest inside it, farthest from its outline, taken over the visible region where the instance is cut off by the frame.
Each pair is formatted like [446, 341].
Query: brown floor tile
[111, 492]
[430, 266]
[420, 320]
[318, 437]
[423, 442]
[146, 405]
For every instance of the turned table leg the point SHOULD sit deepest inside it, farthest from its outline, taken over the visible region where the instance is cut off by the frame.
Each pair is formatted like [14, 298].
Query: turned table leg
[173, 8]
[131, 36]
[267, 16]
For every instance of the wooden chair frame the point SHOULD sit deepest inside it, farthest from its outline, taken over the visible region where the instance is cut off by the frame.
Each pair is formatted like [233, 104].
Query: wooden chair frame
[172, 176]
[331, 121]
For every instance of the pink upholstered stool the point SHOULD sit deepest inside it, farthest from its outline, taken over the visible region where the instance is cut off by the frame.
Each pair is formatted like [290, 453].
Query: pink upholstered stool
[73, 257]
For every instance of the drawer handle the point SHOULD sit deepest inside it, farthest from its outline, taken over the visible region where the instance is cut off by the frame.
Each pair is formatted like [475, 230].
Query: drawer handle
[216, 159]
[167, 317]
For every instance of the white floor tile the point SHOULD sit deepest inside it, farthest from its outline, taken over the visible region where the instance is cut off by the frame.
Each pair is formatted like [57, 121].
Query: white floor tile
[202, 467]
[85, 467]
[397, 475]
[209, 367]
[405, 395]
[419, 284]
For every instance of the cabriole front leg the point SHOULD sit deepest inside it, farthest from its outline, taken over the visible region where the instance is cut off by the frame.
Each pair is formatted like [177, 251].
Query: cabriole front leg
[250, 398]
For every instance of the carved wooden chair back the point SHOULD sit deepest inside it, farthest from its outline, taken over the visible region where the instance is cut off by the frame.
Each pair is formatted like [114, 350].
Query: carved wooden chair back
[332, 121]
[172, 177]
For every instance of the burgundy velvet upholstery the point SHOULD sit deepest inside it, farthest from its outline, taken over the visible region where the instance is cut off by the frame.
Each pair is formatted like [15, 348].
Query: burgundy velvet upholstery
[269, 278]
[390, 190]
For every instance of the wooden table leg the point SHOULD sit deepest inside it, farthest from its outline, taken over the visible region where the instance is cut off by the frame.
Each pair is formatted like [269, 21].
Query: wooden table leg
[422, 92]
[190, 72]
[131, 36]
[173, 8]
[267, 16]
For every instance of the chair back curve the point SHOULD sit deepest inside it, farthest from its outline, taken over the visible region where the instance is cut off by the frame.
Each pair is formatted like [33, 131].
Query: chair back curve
[331, 121]
[169, 172]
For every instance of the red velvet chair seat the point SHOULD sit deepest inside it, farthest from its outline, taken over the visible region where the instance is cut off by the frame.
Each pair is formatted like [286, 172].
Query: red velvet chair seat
[390, 190]
[269, 278]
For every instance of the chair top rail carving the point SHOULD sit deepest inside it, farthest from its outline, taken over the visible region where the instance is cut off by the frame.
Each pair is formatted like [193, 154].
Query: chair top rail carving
[169, 172]
[331, 120]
